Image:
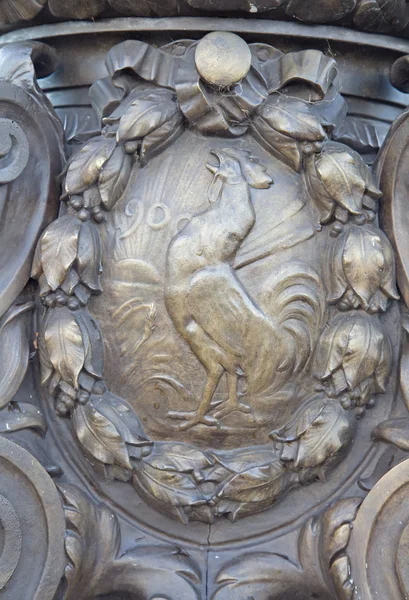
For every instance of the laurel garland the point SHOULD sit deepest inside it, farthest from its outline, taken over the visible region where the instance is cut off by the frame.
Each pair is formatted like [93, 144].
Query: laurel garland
[180, 479]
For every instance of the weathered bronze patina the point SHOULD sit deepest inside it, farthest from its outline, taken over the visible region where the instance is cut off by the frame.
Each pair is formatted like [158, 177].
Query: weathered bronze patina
[203, 300]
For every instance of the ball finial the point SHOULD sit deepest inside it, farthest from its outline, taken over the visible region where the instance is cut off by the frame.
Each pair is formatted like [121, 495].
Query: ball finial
[222, 58]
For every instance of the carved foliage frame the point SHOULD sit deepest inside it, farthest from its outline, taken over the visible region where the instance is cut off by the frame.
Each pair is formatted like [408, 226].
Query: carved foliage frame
[67, 263]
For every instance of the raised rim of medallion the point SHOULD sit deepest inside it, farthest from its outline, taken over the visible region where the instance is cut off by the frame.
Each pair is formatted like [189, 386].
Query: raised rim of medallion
[206, 24]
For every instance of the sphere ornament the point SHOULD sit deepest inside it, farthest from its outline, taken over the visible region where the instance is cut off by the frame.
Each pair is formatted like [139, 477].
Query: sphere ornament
[222, 58]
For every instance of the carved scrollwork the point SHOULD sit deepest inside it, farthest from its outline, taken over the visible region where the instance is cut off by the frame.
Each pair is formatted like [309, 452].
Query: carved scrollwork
[344, 346]
[96, 566]
[20, 153]
[30, 159]
[31, 527]
[383, 513]
[14, 152]
[274, 576]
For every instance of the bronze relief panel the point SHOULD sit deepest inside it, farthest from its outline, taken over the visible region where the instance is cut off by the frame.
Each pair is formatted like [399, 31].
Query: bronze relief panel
[216, 337]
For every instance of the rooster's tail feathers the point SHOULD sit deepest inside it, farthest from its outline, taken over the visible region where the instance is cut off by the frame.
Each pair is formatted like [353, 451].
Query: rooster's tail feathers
[294, 299]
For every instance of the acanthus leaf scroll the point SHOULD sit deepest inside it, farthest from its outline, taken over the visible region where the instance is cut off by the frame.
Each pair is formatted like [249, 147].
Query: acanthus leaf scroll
[92, 545]
[322, 568]
[31, 158]
[331, 355]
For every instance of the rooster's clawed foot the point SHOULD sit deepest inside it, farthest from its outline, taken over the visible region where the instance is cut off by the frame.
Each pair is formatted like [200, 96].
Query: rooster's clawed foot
[192, 418]
[232, 406]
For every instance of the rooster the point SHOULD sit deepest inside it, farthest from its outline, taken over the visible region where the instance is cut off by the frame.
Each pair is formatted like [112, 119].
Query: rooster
[214, 313]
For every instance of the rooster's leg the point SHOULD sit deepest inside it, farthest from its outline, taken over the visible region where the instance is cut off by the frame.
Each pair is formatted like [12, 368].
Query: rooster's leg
[233, 403]
[200, 416]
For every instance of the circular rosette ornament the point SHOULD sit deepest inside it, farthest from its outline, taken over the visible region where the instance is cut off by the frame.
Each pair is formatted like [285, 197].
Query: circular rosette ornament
[354, 360]
[362, 270]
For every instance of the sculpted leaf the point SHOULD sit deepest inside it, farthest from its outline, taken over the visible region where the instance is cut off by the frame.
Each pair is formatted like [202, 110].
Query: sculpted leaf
[260, 576]
[363, 261]
[341, 177]
[337, 524]
[328, 435]
[64, 344]
[177, 457]
[135, 95]
[394, 431]
[82, 293]
[157, 141]
[123, 418]
[309, 548]
[93, 343]
[301, 422]
[283, 123]
[362, 270]
[99, 436]
[43, 285]
[354, 350]
[292, 117]
[85, 166]
[282, 146]
[89, 256]
[169, 487]
[319, 432]
[388, 277]
[70, 282]
[246, 458]
[91, 543]
[322, 545]
[114, 177]
[234, 510]
[335, 538]
[163, 567]
[24, 416]
[382, 373]
[257, 484]
[324, 201]
[145, 115]
[240, 461]
[14, 351]
[58, 249]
